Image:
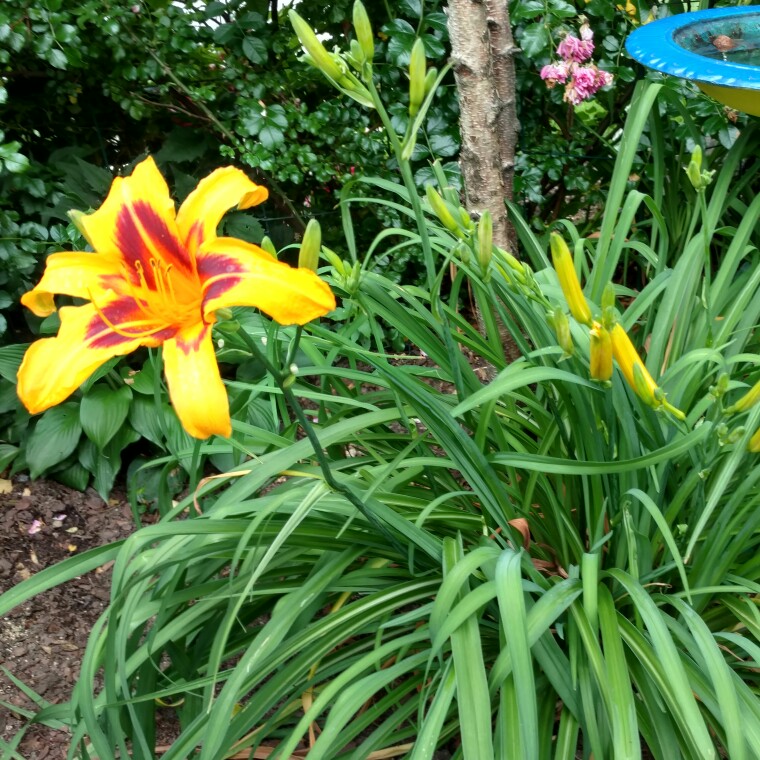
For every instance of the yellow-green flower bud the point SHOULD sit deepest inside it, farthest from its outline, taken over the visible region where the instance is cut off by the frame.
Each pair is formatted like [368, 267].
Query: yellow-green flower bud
[601, 353]
[568, 280]
[485, 240]
[417, 67]
[721, 386]
[643, 385]
[316, 50]
[608, 296]
[462, 252]
[430, 77]
[76, 220]
[754, 442]
[356, 55]
[628, 360]
[466, 219]
[512, 262]
[747, 401]
[561, 325]
[308, 255]
[441, 210]
[224, 314]
[268, 246]
[335, 260]
[694, 169]
[698, 178]
[229, 326]
[363, 30]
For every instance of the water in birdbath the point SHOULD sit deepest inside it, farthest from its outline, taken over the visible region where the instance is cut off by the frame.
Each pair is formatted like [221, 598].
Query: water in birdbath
[727, 39]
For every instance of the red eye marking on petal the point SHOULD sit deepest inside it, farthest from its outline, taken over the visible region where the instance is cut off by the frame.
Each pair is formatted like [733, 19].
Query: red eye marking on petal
[223, 272]
[141, 235]
[191, 346]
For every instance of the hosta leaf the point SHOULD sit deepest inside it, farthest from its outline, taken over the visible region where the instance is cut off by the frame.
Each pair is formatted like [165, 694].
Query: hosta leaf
[103, 411]
[54, 438]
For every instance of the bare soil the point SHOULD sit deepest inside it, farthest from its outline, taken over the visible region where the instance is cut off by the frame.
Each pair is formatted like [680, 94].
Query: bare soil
[43, 640]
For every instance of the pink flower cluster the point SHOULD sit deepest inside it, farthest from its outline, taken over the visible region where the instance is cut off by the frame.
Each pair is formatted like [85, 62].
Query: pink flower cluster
[581, 79]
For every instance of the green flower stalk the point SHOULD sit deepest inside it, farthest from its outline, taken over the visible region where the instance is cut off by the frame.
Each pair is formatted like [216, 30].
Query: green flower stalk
[417, 73]
[308, 256]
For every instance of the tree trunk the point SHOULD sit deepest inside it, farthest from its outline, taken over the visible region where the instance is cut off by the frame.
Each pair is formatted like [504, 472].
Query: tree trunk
[482, 51]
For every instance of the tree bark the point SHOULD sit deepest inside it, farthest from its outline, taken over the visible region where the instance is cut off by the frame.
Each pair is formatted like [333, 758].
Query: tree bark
[482, 50]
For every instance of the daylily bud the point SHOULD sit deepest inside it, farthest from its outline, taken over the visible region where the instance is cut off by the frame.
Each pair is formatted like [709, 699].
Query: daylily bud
[636, 374]
[76, 220]
[441, 210]
[335, 260]
[642, 384]
[224, 314]
[356, 55]
[754, 442]
[268, 246]
[698, 178]
[363, 30]
[308, 256]
[513, 263]
[430, 77]
[601, 353]
[721, 386]
[485, 240]
[694, 169]
[229, 326]
[462, 252]
[568, 280]
[417, 68]
[319, 55]
[561, 325]
[628, 358]
[747, 401]
[608, 296]
[466, 219]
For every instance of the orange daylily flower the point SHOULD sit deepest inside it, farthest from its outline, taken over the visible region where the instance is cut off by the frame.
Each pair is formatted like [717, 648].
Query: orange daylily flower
[156, 278]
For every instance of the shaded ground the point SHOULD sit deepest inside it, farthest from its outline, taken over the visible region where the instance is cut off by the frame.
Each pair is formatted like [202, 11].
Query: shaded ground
[42, 641]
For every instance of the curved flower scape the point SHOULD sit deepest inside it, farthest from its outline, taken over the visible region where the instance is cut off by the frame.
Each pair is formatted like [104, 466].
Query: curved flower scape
[156, 278]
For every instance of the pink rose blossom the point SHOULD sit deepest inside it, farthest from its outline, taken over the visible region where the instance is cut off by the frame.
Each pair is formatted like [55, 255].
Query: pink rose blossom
[555, 72]
[573, 49]
[584, 82]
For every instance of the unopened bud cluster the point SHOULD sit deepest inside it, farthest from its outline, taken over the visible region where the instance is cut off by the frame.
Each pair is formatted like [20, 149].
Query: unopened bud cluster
[609, 343]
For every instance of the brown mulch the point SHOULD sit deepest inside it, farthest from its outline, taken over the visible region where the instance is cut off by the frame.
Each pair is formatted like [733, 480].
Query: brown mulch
[43, 640]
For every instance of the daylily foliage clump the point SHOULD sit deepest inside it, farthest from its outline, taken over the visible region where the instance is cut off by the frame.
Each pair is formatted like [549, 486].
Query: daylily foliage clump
[156, 277]
[537, 566]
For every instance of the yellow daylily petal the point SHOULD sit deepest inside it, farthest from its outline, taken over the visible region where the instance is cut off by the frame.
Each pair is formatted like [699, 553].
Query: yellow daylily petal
[78, 274]
[627, 358]
[200, 213]
[195, 386]
[53, 368]
[600, 364]
[238, 274]
[568, 279]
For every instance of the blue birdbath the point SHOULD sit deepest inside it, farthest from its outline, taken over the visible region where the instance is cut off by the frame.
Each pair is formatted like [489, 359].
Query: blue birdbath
[717, 49]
